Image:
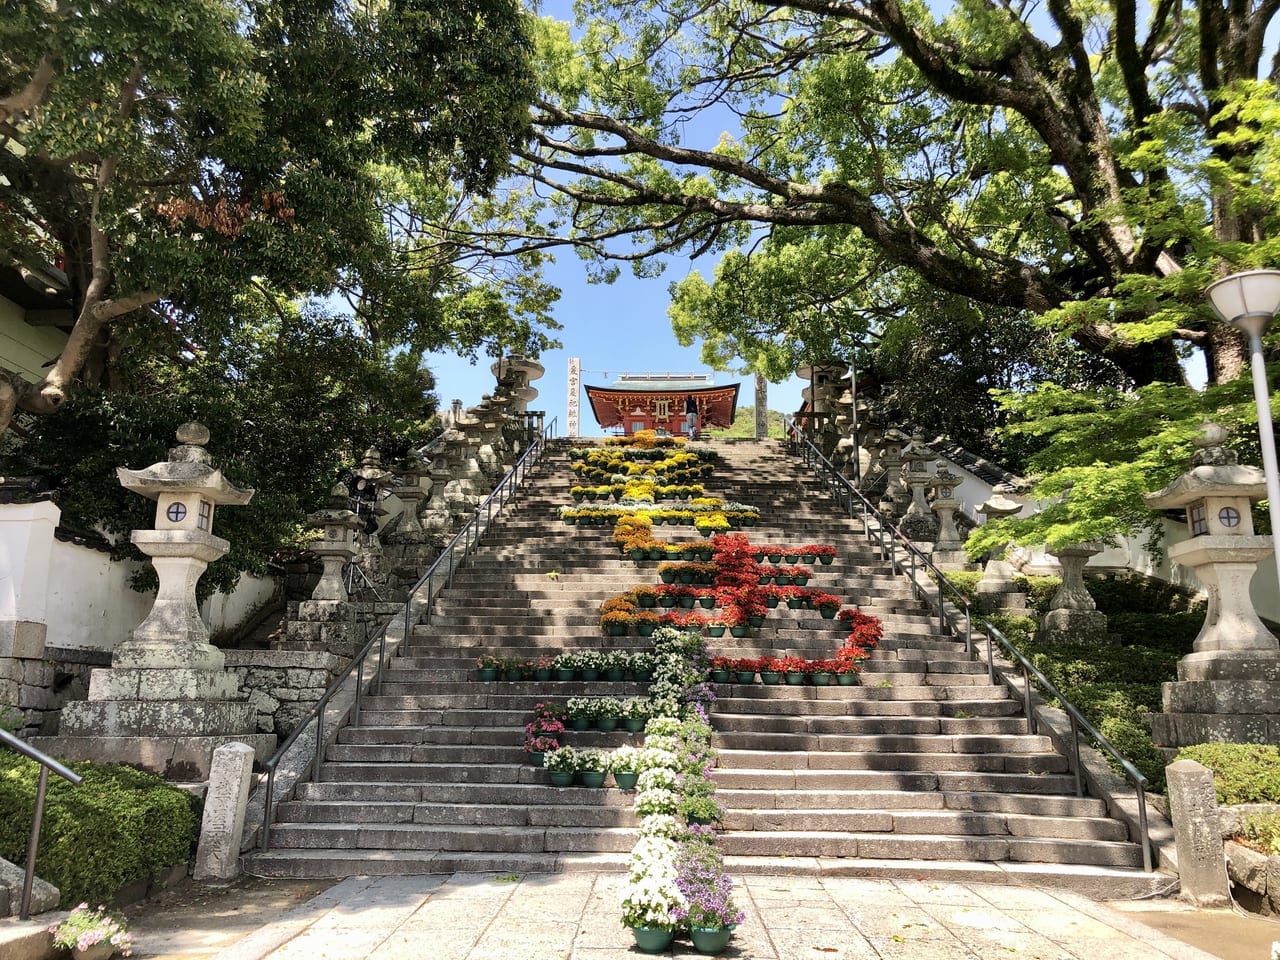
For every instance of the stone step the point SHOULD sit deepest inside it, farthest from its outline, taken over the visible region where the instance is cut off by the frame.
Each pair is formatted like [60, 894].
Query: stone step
[742, 778]
[744, 697]
[954, 823]
[786, 740]
[849, 845]
[323, 864]
[872, 725]
[564, 811]
[1010, 803]
[538, 792]
[448, 838]
[733, 757]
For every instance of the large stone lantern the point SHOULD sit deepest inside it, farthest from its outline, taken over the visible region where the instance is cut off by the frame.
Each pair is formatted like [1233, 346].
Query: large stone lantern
[1228, 687]
[166, 703]
[187, 488]
[895, 493]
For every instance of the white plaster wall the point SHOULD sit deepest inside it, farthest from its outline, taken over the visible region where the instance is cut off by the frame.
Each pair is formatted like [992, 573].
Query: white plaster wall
[25, 348]
[92, 606]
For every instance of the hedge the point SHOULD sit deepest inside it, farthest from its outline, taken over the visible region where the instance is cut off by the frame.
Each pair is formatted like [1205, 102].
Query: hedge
[1242, 772]
[118, 826]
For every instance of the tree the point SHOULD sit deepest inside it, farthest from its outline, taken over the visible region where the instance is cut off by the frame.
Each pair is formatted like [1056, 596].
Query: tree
[169, 154]
[1062, 160]
[289, 397]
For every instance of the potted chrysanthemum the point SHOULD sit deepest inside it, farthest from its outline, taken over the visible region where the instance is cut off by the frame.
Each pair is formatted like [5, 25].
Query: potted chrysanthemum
[92, 933]
[707, 891]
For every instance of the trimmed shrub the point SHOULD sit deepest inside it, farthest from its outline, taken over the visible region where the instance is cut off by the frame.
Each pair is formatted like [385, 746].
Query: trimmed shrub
[118, 826]
[1242, 772]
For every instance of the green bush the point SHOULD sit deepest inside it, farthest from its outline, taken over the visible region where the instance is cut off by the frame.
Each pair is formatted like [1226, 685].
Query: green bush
[1173, 632]
[1131, 591]
[1242, 772]
[119, 825]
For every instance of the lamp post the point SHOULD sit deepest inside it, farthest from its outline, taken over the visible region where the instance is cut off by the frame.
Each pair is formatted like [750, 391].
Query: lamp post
[1249, 301]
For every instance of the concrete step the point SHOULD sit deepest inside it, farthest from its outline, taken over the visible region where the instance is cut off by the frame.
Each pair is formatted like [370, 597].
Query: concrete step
[297, 864]
[1005, 803]
[775, 779]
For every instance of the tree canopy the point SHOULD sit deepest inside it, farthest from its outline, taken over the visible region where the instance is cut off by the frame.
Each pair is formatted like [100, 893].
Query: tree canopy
[1093, 164]
[168, 155]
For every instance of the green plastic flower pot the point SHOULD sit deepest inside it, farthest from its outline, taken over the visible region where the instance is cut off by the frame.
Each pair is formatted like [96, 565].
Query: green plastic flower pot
[625, 779]
[710, 941]
[561, 778]
[591, 778]
[649, 940]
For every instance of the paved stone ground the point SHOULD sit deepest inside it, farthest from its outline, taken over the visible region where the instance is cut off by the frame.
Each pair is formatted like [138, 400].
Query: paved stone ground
[575, 917]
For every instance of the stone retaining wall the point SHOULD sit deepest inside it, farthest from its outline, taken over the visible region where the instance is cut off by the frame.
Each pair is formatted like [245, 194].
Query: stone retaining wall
[1256, 876]
[283, 685]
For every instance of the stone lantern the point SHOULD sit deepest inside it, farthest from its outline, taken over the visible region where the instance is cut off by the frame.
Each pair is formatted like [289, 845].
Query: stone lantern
[895, 492]
[1228, 687]
[167, 703]
[412, 492]
[1073, 617]
[918, 522]
[337, 546]
[997, 577]
[948, 548]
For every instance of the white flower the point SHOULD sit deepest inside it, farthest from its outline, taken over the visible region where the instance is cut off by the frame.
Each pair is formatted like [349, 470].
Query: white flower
[661, 825]
[657, 778]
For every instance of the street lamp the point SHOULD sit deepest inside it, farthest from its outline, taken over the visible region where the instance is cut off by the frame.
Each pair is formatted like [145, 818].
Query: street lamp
[1249, 301]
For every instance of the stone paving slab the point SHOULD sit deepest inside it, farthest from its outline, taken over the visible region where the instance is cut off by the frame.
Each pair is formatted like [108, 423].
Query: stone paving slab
[575, 917]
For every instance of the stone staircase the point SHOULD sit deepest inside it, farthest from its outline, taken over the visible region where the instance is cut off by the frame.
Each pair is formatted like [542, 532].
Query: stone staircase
[925, 768]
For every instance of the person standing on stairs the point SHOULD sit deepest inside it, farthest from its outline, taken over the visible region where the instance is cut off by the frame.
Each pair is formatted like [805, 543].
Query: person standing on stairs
[690, 416]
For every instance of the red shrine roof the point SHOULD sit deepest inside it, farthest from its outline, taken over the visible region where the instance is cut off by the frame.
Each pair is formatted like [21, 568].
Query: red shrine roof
[658, 402]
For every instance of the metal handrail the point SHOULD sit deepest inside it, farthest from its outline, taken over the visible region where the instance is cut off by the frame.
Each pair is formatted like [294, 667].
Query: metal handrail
[47, 763]
[840, 486]
[469, 536]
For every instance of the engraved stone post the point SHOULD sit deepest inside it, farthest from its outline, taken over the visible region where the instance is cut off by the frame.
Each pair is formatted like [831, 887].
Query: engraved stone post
[1193, 805]
[221, 830]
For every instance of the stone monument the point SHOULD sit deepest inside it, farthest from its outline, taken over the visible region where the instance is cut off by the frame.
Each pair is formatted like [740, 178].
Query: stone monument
[1073, 617]
[1228, 687]
[166, 703]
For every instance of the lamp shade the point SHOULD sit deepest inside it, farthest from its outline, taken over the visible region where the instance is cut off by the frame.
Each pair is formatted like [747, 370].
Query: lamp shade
[1253, 293]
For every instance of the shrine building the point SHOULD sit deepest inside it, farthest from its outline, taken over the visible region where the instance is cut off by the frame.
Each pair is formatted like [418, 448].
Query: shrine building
[652, 402]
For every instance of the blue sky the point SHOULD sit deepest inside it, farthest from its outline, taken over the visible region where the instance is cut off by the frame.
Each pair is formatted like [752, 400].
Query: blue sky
[611, 328]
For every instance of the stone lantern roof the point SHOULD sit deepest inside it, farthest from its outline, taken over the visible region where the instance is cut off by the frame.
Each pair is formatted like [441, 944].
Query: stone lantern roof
[189, 469]
[1214, 473]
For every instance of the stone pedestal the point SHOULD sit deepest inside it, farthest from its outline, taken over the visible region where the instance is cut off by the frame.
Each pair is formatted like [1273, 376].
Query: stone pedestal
[1073, 617]
[1228, 687]
[166, 703]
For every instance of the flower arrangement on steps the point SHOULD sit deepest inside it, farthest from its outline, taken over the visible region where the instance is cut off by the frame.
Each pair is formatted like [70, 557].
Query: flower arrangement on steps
[610, 665]
[676, 880]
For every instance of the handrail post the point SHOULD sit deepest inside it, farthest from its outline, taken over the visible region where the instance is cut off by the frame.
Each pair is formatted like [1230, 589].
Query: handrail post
[382, 649]
[915, 587]
[318, 773]
[1075, 750]
[1142, 827]
[355, 711]
[1026, 698]
[942, 613]
[268, 792]
[33, 844]
[991, 659]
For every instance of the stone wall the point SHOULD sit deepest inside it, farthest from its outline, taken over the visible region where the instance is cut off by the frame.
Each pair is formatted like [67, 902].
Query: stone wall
[283, 685]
